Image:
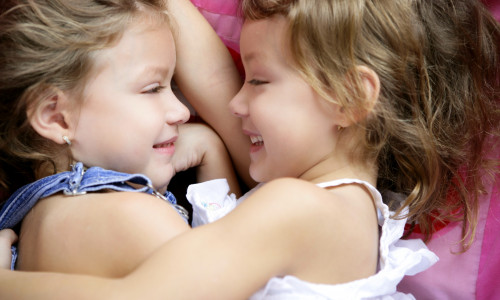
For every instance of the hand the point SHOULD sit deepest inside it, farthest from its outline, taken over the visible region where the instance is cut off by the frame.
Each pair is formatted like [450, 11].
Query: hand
[199, 146]
[7, 238]
[209, 80]
[191, 146]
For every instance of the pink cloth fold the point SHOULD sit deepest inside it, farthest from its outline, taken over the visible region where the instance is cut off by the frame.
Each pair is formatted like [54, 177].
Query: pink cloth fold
[470, 275]
[223, 16]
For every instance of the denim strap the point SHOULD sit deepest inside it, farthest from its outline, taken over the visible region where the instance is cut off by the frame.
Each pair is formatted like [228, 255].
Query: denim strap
[78, 181]
[75, 182]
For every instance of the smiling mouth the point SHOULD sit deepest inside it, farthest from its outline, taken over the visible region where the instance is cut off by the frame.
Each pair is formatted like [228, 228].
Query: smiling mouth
[257, 140]
[163, 145]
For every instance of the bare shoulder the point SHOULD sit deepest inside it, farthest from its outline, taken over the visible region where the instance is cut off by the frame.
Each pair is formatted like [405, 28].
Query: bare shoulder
[125, 207]
[337, 228]
[306, 197]
[104, 234]
[286, 227]
[117, 212]
[289, 205]
[294, 196]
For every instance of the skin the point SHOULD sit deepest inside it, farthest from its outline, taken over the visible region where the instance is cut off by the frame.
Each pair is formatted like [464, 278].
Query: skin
[331, 235]
[132, 79]
[209, 86]
[273, 86]
[7, 238]
[129, 94]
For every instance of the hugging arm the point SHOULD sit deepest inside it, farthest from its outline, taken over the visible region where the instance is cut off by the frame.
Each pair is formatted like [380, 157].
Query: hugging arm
[109, 234]
[208, 78]
[7, 238]
[228, 259]
[200, 147]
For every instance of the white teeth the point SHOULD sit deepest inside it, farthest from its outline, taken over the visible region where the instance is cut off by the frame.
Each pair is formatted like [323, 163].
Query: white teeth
[256, 139]
[162, 145]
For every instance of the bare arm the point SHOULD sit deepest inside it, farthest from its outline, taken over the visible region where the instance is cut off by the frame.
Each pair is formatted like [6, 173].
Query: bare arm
[208, 78]
[7, 238]
[199, 146]
[104, 234]
[235, 256]
[204, 272]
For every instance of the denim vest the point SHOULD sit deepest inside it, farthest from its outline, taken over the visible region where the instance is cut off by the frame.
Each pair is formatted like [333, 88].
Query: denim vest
[78, 181]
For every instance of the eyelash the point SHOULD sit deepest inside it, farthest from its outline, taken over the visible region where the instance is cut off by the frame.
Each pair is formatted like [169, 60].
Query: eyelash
[256, 82]
[155, 90]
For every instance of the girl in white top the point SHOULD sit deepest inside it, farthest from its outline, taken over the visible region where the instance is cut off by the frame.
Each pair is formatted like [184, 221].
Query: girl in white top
[397, 257]
[337, 94]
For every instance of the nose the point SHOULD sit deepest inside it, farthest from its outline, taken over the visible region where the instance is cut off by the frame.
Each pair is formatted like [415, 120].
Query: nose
[177, 112]
[238, 105]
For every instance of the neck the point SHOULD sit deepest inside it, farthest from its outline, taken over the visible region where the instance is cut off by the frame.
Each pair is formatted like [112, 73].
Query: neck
[47, 169]
[333, 168]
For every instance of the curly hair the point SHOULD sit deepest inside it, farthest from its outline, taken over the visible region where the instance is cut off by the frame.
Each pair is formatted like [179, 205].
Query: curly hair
[46, 45]
[438, 108]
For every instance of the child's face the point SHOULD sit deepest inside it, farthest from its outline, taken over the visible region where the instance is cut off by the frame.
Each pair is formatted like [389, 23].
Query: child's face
[129, 116]
[290, 125]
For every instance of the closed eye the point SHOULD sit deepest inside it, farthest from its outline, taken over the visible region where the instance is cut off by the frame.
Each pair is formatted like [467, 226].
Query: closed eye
[154, 90]
[256, 82]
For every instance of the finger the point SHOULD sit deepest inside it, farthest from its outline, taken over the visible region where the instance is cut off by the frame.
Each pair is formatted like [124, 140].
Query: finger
[8, 235]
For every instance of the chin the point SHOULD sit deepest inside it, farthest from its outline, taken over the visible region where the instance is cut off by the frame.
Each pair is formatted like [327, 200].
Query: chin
[162, 178]
[259, 176]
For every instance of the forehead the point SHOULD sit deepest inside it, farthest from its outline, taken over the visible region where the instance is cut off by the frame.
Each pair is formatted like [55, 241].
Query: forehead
[264, 39]
[140, 41]
[144, 53]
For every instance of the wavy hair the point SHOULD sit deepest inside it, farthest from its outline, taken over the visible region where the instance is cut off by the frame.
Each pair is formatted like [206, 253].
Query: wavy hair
[45, 45]
[438, 109]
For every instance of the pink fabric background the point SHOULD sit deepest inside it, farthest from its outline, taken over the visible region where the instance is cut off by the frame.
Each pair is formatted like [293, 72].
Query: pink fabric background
[223, 16]
[471, 275]
[494, 6]
[474, 274]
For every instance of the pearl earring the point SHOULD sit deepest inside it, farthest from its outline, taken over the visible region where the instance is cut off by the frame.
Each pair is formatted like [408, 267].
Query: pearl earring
[67, 140]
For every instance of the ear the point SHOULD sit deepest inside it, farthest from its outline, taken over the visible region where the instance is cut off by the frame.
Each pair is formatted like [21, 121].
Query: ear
[49, 116]
[370, 85]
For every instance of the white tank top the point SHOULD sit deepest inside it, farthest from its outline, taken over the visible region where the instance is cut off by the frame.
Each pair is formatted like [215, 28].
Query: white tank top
[397, 258]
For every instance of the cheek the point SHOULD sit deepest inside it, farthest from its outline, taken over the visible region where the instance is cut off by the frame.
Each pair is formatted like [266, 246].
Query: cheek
[84, 129]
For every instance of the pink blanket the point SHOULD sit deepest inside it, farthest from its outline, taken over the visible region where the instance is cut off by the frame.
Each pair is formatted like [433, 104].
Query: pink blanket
[471, 275]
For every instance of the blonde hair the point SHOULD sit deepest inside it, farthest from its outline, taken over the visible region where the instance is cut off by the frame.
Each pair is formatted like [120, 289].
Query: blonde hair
[438, 64]
[45, 45]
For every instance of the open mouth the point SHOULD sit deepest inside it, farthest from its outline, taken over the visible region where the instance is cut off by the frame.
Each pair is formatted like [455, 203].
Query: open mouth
[163, 145]
[257, 140]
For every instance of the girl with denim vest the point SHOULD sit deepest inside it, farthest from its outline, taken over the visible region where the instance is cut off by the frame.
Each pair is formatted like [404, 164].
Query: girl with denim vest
[86, 109]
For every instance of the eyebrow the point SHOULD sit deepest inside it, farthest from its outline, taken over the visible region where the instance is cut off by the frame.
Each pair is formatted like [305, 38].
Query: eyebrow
[249, 57]
[153, 70]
